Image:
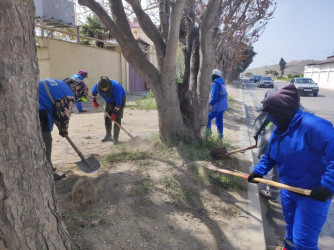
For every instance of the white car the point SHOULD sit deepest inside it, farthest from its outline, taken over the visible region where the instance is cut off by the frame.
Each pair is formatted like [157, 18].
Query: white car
[305, 86]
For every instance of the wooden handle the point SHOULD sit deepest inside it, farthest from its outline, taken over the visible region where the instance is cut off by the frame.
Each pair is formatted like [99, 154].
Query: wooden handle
[119, 125]
[82, 157]
[240, 150]
[271, 183]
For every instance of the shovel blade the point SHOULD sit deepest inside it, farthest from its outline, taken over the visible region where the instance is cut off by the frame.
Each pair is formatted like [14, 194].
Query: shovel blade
[219, 153]
[89, 165]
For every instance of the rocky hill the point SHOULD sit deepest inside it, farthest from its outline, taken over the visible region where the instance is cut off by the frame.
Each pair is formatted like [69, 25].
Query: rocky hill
[293, 67]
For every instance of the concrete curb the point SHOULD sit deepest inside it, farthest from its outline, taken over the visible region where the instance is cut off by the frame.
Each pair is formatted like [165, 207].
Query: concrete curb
[255, 227]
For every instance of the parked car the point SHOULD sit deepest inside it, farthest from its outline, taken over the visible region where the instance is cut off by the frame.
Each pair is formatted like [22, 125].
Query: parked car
[265, 81]
[305, 86]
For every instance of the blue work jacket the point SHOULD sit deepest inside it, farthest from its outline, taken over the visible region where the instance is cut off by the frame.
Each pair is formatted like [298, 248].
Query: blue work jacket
[58, 89]
[219, 94]
[304, 153]
[116, 95]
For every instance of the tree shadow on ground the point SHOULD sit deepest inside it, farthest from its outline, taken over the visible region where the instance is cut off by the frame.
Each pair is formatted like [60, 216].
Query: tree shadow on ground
[138, 207]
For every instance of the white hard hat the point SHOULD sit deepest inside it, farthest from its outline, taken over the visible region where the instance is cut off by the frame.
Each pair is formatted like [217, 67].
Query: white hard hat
[217, 72]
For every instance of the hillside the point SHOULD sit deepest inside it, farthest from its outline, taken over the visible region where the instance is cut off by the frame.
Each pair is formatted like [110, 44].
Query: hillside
[293, 67]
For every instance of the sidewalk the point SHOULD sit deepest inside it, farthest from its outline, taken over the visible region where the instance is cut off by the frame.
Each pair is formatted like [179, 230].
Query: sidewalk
[255, 227]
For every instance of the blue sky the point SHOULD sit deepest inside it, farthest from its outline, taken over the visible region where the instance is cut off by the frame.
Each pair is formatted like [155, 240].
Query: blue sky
[300, 30]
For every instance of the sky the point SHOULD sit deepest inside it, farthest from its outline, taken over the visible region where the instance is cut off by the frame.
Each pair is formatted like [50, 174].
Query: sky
[300, 30]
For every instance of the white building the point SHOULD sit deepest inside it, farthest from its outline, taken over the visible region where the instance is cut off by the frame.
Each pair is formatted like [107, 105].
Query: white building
[322, 72]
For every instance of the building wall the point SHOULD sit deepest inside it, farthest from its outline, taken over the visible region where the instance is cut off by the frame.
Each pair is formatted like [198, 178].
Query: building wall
[59, 10]
[60, 59]
[322, 74]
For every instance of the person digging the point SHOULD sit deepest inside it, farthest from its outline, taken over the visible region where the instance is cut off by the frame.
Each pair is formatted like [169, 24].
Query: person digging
[114, 95]
[56, 99]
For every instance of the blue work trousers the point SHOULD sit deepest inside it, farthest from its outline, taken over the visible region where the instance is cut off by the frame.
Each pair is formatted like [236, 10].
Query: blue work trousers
[219, 122]
[304, 219]
[79, 106]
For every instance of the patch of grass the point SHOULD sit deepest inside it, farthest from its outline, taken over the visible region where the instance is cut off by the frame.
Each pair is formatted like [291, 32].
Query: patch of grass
[146, 103]
[142, 188]
[231, 103]
[143, 165]
[126, 156]
[174, 190]
[75, 219]
[200, 151]
[230, 183]
[230, 211]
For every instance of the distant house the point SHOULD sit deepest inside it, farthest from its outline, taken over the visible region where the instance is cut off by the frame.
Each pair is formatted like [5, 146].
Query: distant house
[322, 72]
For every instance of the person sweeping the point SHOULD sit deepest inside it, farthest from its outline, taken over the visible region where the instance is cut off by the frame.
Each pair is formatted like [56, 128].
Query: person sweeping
[114, 95]
[302, 146]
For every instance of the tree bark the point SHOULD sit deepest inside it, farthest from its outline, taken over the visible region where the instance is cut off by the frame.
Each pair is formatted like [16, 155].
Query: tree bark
[29, 216]
[161, 81]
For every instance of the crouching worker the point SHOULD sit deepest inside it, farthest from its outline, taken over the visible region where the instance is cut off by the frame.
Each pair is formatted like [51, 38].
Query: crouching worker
[302, 146]
[56, 99]
[114, 95]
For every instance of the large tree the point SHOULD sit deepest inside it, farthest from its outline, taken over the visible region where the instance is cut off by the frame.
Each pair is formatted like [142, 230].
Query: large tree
[29, 216]
[182, 108]
[282, 66]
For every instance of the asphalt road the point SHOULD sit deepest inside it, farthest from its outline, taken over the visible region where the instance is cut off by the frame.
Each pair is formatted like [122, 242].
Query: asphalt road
[273, 221]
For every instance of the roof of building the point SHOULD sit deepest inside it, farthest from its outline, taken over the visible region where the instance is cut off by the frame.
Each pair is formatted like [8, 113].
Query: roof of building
[329, 59]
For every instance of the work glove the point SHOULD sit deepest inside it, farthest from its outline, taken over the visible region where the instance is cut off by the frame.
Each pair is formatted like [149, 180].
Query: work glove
[63, 133]
[253, 175]
[321, 194]
[95, 104]
[114, 113]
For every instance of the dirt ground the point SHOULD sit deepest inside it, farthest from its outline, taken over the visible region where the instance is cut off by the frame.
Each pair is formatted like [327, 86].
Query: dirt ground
[147, 196]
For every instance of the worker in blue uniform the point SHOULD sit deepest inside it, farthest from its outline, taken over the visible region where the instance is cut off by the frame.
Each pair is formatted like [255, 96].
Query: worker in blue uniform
[56, 99]
[81, 75]
[218, 102]
[114, 95]
[302, 146]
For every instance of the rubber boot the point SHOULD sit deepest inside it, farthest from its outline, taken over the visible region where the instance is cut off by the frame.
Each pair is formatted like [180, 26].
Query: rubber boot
[58, 177]
[116, 130]
[107, 124]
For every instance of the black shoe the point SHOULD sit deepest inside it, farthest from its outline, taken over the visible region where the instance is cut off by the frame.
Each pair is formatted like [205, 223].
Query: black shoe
[106, 138]
[266, 195]
[54, 169]
[82, 111]
[58, 177]
[116, 141]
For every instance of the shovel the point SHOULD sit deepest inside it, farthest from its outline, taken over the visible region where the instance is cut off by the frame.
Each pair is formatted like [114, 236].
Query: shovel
[89, 165]
[133, 138]
[221, 153]
[269, 182]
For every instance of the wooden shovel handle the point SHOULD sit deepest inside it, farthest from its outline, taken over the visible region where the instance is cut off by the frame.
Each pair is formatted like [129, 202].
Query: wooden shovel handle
[271, 183]
[76, 149]
[240, 150]
[119, 125]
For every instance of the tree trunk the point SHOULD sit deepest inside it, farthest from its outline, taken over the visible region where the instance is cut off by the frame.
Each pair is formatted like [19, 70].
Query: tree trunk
[29, 216]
